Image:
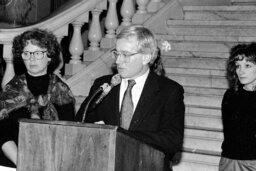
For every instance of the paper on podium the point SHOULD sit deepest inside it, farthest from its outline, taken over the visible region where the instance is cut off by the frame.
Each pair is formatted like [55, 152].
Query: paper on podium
[3, 168]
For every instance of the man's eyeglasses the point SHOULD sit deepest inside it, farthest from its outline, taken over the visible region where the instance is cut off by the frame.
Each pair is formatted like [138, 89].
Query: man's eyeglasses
[39, 55]
[126, 55]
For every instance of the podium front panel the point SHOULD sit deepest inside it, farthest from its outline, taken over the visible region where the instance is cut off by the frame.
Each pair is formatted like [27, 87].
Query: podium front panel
[134, 155]
[65, 146]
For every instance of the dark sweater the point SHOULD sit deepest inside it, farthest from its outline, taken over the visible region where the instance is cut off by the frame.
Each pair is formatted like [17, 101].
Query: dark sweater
[239, 123]
[9, 127]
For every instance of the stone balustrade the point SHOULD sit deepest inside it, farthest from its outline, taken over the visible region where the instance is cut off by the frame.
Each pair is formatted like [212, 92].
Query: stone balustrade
[77, 15]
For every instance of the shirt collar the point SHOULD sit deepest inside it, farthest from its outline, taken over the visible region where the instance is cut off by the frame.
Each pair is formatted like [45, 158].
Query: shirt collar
[139, 80]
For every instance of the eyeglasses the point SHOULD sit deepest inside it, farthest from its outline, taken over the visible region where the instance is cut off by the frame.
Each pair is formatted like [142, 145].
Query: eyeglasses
[39, 55]
[126, 55]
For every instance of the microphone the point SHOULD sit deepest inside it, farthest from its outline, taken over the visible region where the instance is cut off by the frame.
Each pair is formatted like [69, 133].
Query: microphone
[115, 80]
[105, 89]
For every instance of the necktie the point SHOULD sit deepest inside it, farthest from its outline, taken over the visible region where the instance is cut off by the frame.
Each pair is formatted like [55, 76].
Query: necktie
[127, 106]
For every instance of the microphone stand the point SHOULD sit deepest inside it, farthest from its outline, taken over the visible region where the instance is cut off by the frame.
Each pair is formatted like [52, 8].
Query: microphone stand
[115, 80]
[89, 102]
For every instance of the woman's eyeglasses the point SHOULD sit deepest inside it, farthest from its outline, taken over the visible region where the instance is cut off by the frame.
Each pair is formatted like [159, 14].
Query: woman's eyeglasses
[126, 55]
[38, 55]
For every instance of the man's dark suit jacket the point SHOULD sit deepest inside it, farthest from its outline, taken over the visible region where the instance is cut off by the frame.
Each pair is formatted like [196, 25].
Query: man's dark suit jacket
[158, 118]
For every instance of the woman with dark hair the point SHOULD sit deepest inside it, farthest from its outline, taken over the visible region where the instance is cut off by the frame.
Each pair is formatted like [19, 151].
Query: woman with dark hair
[36, 94]
[238, 111]
[41, 38]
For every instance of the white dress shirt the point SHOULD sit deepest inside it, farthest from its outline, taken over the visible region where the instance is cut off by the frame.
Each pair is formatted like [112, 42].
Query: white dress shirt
[136, 90]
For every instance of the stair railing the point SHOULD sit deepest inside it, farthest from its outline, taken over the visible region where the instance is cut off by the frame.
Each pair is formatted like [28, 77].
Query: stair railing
[77, 16]
[58, 24]
[129, 15]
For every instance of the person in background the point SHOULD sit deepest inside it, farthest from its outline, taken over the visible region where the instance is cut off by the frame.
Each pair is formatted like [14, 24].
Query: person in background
[238, 111]
[38, 93]
[146, 103]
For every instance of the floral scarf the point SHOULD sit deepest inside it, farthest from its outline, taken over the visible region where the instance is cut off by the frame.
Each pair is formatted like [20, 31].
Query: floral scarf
[16, 95]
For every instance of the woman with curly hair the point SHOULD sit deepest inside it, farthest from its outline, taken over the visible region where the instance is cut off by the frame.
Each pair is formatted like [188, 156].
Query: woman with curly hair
[238, 111]
[38, 93]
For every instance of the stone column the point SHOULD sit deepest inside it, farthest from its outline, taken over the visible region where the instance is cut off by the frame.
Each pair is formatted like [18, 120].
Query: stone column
[8, 58]
[111, 24]
[94, 36]
[127, 12]
[141, 14]
[76, 47]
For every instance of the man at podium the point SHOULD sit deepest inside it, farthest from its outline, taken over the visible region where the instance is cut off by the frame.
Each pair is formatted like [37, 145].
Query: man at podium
[139, 98]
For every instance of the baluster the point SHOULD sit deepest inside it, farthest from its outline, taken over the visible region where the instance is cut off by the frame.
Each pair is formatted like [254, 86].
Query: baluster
[111, 24]
[155, 5]
[127, 11]
[76, 47]
[142, 6]
[141, 14]
[9, 70]
[94, 36]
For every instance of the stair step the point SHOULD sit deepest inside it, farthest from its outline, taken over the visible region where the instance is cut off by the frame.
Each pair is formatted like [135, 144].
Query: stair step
[203, 100]
[214, 28]
[231, 8]
[204, 110]
[192, 54]
[204, 91]
[198, 121]
[243, 2]
[197, 162]
[203, 140]
[209, 23]
[233, 12]
[202, 152]
[192, 71]
[201, 46]
[195, 63]
[199, 80]
[203, 117]
[206, 38]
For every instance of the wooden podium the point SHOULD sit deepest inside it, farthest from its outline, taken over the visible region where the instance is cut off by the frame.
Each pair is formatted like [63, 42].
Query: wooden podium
[73, 146]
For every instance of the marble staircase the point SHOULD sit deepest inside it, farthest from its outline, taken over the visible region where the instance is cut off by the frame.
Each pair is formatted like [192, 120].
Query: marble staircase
[200, 47]
[243, 2]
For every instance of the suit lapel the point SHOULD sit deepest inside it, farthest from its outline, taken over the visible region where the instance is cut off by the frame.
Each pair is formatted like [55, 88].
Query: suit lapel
[147, 95]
